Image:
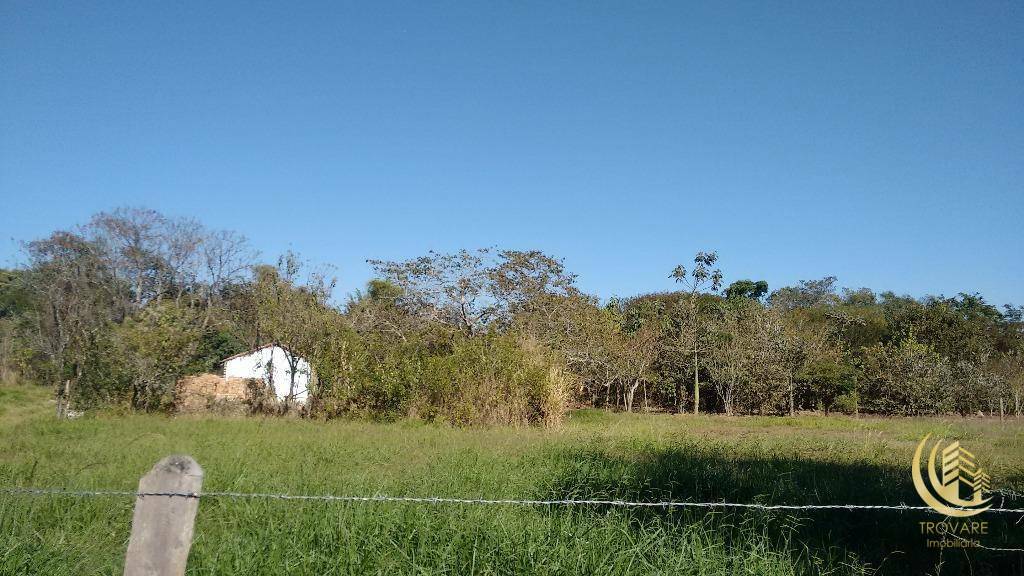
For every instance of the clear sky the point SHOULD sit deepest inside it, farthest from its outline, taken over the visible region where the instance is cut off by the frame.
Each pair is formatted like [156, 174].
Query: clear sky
[883, 144]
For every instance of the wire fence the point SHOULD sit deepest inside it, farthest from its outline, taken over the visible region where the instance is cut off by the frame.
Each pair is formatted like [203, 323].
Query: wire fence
[665, 504]
[140, 496]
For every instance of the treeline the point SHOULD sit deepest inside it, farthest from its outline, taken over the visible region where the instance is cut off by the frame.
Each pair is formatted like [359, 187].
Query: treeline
[115, 312]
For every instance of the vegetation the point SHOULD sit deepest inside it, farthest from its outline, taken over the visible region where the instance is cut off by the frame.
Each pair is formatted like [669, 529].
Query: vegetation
[595, 454]
[115, 312]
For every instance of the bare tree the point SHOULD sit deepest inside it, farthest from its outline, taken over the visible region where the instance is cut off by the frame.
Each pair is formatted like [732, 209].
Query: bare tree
[131, 238]
[180, 251]
[225, 256]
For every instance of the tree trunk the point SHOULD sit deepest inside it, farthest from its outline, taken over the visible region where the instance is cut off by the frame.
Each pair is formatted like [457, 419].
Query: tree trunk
[138, 290]
[631, 394]
[792, 407]
[696, 384]
[62, 389]
[67, 399]
[730, 395]
[293, 364]
[209, 308]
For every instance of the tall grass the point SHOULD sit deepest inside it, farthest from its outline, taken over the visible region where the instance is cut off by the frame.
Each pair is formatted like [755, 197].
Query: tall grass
[593, 455]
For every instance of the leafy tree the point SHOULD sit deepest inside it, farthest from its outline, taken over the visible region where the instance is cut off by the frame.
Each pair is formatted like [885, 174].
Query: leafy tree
[158, 346]
[76, 296]
[638, 353]
[449, 288]
[526, 281]
[380, 309]
[747, 289]
[747, 360]
[472, 290]
[15, 305]
[808, 294]
[692, 329]
[292, 314]
[905, 378]
[829, 380]
[114, 312]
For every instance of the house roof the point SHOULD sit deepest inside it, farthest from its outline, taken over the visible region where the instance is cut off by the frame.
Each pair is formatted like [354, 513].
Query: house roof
[254, 350]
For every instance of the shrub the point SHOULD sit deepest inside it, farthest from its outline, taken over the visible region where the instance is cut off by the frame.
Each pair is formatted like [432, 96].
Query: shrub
[848, 403]
[828, 381]
[463, 380]
[492, 380]
[907, 378]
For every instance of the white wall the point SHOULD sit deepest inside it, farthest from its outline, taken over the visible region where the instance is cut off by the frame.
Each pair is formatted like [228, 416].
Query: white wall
[271, 365]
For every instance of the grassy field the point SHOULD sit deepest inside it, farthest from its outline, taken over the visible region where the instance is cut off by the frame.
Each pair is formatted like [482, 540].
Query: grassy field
[800, 460]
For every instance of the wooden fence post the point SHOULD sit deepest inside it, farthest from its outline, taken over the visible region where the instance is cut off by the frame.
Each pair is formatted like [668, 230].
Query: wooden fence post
[162, 525]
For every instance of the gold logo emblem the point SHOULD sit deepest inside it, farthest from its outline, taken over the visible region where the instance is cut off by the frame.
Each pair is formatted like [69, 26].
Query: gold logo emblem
[959, 475]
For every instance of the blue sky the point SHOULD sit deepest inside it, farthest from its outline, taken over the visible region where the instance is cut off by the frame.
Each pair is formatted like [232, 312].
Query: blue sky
[880, 143]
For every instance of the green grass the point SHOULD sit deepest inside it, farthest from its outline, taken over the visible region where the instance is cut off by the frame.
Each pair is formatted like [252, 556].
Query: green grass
[594, 455]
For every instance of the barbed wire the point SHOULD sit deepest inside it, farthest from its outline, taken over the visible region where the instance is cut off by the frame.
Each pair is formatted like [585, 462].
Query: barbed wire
[1009, 493]
[479, 501]
[976, 544]
[664, 504]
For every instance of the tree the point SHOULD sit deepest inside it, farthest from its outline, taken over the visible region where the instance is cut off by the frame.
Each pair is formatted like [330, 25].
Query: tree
[157, 346]
[524, 282]
[380, 310]
[639, 350]
[747, 289]
[813, 350]
[225, 256]
[586, 337]
[76, 296]
[291, 313]
[130, 239]
[472, 290]
[731, 353]
[808, 294]
[828, 380]
[1009, 366]
[449, 288]
[692, 330]
[747, 360]
[905, 378]
[15, 307]
[765, 388]
[1014, 315]
[181, 240]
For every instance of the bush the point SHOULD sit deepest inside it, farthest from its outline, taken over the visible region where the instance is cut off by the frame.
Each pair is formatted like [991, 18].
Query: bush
[492, 380]
[828, 381]
[848, 403]
[907, 378]
[462, 380]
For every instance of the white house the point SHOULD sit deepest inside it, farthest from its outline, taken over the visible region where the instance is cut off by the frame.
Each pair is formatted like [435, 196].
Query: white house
[270, 364]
